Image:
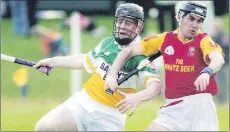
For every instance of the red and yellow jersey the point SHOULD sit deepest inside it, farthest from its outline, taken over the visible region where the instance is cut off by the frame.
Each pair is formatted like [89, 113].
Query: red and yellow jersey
[183, 61]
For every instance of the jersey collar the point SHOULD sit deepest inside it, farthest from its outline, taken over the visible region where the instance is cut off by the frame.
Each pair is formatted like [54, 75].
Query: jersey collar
[176, 32]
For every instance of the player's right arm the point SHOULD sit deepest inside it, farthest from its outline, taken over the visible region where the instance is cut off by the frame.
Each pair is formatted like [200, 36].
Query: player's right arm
[77, 61]
[148, 46]
[71, 62]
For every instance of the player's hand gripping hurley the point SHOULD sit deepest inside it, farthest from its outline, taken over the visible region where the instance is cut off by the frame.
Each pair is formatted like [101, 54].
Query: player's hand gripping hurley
[22, 62]
[139, 67]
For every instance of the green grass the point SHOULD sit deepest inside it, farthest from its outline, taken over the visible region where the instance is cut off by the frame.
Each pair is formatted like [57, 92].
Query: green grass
[18, 114]
[47, 92]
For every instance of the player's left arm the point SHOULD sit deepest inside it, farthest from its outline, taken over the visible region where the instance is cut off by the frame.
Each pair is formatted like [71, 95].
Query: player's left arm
[212, 53]
[132, 101]
[152, 90]
[213, 57]
[151, 80]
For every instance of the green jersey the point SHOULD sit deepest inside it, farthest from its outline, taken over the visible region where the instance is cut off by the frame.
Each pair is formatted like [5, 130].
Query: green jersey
[99, 61]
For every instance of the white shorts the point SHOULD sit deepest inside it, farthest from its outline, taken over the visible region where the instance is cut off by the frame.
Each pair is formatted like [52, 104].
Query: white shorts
[91, 115]
[190, 113]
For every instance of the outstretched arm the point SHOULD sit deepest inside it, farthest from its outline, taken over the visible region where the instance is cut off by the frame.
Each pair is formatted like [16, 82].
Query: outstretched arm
[148, 46]
[120, 60]
[71, 62]
[126, 53]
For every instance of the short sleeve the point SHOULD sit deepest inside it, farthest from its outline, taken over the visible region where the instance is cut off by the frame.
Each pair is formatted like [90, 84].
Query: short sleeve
[207, 46]
[152, 44]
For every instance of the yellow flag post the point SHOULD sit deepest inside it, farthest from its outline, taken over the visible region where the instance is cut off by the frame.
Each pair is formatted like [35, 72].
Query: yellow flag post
[20, 77]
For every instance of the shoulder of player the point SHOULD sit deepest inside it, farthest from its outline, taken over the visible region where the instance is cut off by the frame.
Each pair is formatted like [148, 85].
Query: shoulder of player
[155, 36]
[104, 43]
[206, 39]
[133, 62]
[108, 39]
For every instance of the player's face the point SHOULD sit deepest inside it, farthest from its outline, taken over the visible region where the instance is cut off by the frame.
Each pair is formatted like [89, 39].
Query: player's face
[190, 25]
[126, 27]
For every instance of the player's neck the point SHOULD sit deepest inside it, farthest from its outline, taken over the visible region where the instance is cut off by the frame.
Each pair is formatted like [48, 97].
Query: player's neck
[182, 37]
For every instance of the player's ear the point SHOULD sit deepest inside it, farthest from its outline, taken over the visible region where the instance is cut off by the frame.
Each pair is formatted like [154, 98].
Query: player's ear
[177, 17]
[140, 27]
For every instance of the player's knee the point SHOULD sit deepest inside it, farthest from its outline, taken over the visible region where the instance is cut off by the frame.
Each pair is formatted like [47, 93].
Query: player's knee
[44, 126]
[157, 127]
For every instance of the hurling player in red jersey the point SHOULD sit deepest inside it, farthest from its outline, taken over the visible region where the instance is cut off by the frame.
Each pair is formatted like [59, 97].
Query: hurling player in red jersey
[191, 59]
